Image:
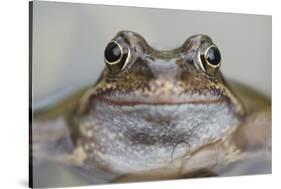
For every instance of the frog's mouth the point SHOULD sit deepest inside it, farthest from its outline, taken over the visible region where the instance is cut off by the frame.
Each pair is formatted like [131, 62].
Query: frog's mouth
[158, 101]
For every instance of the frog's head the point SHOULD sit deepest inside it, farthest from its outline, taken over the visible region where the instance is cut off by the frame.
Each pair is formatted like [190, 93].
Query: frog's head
[156, 103]
[138, 74]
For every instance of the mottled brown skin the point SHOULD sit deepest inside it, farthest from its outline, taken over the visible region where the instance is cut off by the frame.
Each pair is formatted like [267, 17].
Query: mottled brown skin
[165, 110]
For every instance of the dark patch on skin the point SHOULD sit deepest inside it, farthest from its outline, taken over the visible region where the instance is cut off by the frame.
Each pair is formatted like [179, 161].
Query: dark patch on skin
[145, 138]
[173, 138]
[142, 138]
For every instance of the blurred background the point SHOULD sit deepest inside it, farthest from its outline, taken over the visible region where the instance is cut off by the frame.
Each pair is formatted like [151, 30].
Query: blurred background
[69, 40]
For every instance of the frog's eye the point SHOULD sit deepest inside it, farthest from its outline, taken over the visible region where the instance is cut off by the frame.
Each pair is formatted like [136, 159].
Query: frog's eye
[213, 56]
[116, 56]
[211, 59]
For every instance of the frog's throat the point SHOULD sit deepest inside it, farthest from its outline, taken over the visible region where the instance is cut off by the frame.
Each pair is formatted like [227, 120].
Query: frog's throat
[147, 137]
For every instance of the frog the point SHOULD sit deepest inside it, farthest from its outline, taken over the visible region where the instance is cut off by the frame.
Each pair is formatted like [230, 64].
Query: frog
[156, 114]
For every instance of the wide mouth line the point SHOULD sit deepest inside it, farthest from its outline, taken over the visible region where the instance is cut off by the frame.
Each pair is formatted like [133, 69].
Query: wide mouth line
[131, 102]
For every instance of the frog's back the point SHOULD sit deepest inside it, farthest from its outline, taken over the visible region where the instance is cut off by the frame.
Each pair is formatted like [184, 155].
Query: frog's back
[252, 99]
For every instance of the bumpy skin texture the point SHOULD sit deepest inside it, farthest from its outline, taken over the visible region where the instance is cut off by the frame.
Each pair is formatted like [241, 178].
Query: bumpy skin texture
[164, 110]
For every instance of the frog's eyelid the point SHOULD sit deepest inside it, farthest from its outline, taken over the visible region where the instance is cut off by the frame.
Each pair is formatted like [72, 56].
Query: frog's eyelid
[128, 58]
[199, 63]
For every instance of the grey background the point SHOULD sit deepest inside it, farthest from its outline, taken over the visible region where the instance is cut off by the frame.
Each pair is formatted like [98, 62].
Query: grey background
[69, 39]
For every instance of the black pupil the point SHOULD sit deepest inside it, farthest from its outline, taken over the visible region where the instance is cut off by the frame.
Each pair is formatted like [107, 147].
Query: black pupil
[213, 56]
[112, 52]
